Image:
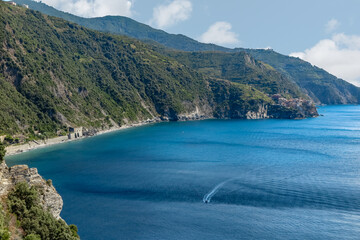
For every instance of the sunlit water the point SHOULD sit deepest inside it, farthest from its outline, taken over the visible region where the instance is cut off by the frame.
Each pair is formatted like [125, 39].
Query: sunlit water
[266, 179]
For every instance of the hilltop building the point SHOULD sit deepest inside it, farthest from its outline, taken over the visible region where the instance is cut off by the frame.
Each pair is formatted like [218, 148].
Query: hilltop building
[75, 133]
[10, 2]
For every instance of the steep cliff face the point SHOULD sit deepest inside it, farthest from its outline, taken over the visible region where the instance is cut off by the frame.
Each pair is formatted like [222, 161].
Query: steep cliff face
[261, 113]
[49, 198]
[30, 206]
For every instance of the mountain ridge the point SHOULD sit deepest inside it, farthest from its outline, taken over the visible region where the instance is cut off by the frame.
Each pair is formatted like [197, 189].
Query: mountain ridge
[56, 74]
[322, 87]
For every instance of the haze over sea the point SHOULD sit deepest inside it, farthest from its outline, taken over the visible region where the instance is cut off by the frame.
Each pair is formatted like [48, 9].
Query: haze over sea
[264, 179]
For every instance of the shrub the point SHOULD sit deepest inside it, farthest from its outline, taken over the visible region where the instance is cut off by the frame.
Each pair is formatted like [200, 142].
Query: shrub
[37, 223]
[2, 152]
[32, 237]
[9, 139]
[4, 231]
[49, 182]
[4, 234]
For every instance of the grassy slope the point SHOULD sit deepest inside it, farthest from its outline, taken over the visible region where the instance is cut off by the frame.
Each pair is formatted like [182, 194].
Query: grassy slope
[240, 68]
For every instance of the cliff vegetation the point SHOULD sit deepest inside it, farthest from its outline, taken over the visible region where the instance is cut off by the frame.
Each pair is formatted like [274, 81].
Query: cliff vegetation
[30, 206]
[321, 86]
[55, 74]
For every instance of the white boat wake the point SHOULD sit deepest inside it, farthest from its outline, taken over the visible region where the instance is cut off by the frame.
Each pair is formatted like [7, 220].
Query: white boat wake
[207, 197]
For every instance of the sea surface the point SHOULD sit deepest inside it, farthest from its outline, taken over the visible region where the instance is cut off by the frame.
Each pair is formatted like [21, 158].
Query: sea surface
[262, 179]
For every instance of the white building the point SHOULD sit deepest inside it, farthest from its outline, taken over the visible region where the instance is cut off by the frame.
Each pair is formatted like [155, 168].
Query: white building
[75, 133]
[10, 2]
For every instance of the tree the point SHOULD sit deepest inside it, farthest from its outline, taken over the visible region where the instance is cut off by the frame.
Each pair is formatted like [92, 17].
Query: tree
[2, 152]
[32, 237]
[37, 222]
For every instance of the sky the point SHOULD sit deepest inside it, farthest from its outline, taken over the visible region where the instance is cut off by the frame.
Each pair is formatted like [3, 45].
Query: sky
[325, 33]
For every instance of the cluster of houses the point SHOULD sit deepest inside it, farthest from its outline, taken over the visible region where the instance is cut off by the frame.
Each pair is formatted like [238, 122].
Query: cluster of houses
[290, 103]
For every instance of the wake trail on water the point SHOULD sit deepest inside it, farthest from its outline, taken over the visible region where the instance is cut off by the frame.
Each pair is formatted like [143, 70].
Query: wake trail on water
[207, 197]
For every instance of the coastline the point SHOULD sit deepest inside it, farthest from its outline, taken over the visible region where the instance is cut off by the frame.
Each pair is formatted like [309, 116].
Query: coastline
[26, 147]
[196, 115]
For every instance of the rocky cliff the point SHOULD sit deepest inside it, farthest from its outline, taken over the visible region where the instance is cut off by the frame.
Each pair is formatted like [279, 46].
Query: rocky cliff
[49, 198]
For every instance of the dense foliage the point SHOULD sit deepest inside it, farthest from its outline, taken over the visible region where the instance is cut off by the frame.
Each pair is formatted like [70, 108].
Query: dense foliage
[55, 74]
[2, 152]
[4, 230]
[37, 223]
[320, 85]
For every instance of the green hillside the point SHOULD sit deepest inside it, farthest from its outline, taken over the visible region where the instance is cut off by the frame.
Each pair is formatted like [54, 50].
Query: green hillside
[55, 74]
[322, 87]
[126, 26]
[240, 68]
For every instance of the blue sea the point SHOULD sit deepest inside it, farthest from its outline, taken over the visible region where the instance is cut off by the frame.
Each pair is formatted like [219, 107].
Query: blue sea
[261, 179]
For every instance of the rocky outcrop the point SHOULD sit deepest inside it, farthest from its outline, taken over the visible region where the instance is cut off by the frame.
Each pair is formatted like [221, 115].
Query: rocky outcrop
[261, 113]
[203, 112]
[49, 198]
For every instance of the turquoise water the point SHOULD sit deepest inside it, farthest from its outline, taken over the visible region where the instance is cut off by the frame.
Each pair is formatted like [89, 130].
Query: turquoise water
[263, 179]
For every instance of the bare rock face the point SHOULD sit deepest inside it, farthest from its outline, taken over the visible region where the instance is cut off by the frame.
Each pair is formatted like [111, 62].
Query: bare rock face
[49, 198]
[261, 113]
[202, 112]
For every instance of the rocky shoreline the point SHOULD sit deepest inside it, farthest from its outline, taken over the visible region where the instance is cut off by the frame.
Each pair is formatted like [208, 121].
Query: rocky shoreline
[283, 109]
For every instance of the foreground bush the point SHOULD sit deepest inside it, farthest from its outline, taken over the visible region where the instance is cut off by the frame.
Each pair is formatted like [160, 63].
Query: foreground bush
[37, 223]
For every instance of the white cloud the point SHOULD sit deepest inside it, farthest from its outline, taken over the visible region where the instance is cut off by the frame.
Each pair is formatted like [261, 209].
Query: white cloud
[332, 25]
[339, 55]
[219, 33]
[168, 15]
[93, 8]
